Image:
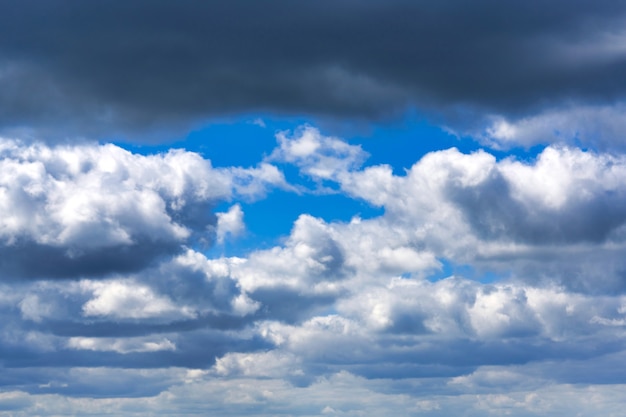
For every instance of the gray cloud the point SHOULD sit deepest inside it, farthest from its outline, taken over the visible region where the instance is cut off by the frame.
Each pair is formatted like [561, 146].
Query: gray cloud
[494, 213]
[107, 68]
[287, 305]
[600, 127]
[33, 261]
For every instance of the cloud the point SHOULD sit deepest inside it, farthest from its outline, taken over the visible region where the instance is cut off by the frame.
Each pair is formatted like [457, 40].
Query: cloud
[341, 394]
[154, 68]
[263, 364]
[96, 209]
[485, 284]
[229, 223]
[596, 127]
[125, 345]
[123, 300]
[556, 198]
[472, 207]
[180, 291]
[15, 400]
[309, 262]
[318, 156]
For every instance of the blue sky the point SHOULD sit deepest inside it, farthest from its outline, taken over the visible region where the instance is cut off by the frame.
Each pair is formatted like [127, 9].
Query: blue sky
[315, 209]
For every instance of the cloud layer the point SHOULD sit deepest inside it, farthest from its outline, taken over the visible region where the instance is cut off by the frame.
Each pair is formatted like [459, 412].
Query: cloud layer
[400, 308]
[70, 68]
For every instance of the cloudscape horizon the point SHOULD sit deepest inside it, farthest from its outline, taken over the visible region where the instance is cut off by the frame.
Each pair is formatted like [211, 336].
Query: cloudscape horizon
[312, 208]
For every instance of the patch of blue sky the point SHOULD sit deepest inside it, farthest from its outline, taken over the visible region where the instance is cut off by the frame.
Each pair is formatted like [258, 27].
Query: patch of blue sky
[269, 220]
[526, 155]
[402, 144]
[237, 141]
[245, 140]
[450, 269]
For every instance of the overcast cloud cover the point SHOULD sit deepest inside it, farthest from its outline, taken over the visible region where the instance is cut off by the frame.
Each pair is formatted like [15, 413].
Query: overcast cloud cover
[487, 278]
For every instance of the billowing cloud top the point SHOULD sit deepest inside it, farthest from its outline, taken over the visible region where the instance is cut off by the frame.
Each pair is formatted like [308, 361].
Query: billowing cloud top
[91, 209]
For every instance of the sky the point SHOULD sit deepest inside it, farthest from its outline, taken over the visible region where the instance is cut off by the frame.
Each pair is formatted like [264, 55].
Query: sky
[312, 208]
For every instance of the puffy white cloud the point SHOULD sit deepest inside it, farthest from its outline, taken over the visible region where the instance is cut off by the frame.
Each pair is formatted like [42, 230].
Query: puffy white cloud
[98, 196]
[449, 184]
[274, 364]
[321, 157]
[321, 258]
[310, 261]
[201, 286]
[230, 223]
[93, 209]
[472, 208]
[502, 312]
[252, 183]
[186, 287]
[123, 299]
[565, 177]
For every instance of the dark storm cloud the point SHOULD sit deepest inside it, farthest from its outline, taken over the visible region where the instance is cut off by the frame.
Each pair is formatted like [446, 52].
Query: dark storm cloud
[94, 67]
